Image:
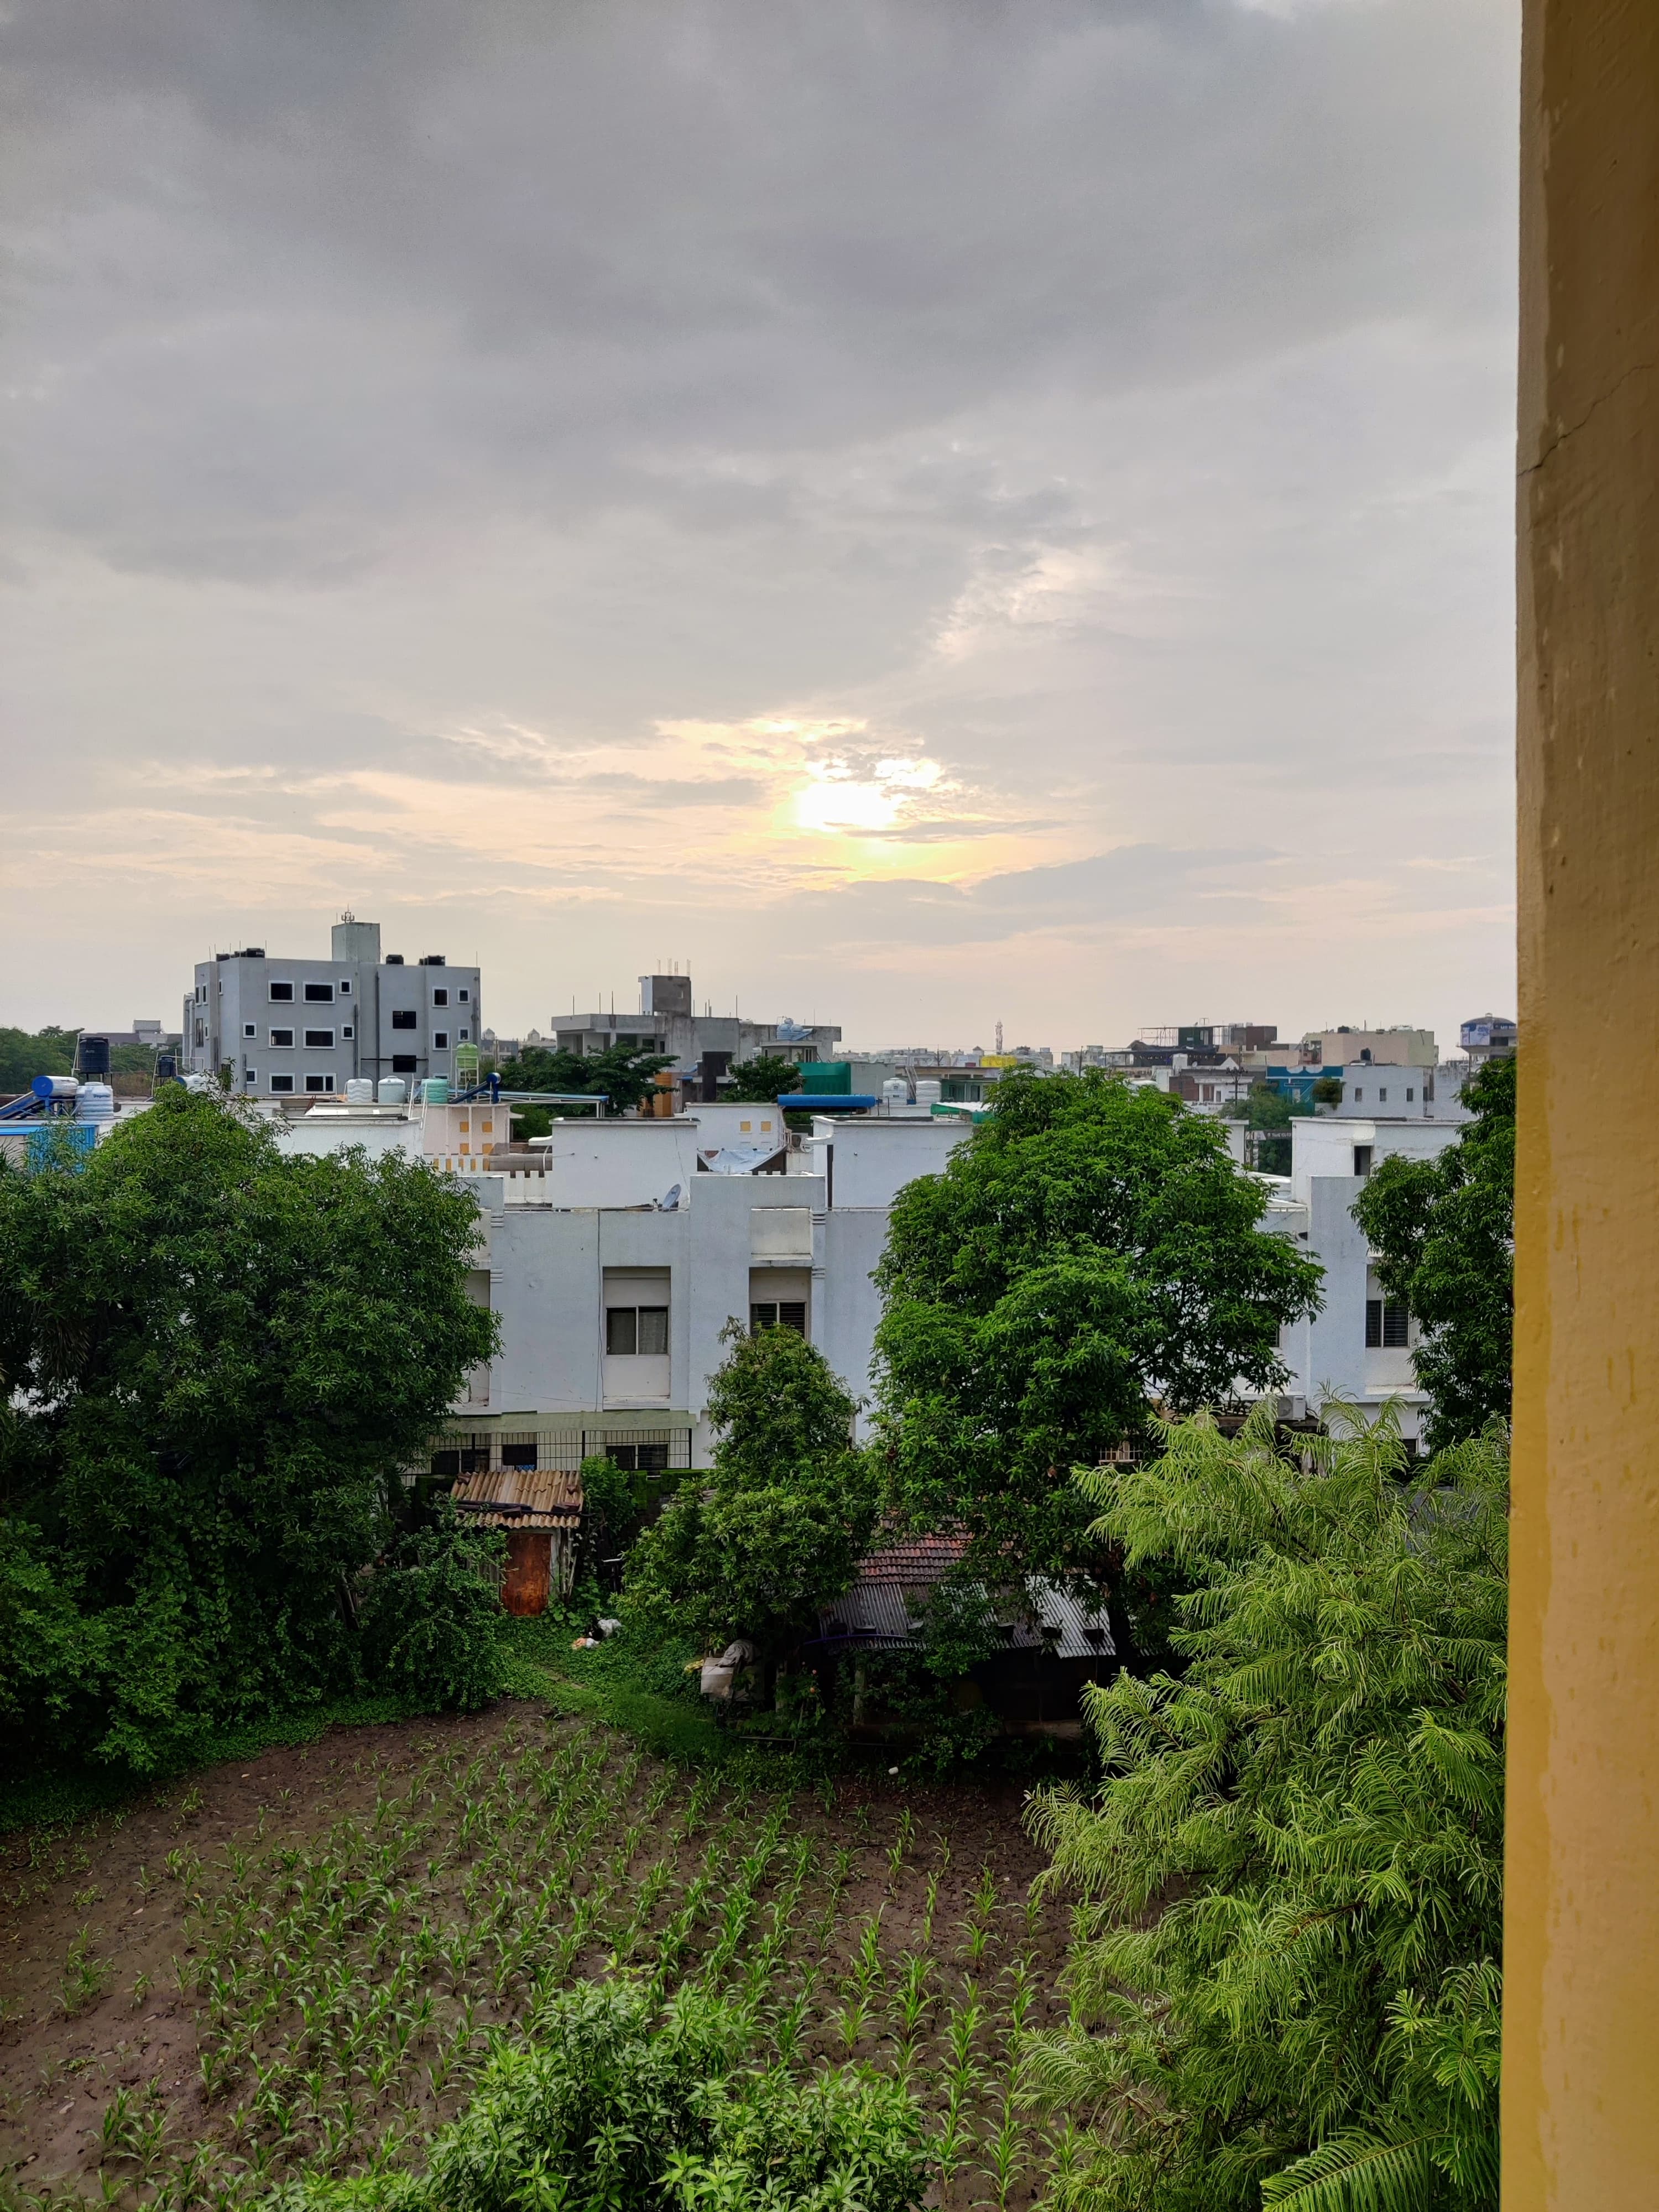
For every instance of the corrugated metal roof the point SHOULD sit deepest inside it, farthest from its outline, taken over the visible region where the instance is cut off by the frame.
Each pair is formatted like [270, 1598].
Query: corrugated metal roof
[879, 1610]
[519, 1498]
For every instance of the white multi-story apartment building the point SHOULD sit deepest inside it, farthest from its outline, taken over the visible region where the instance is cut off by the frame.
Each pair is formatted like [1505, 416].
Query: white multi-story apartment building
[1357, 1347]
[271, 1028]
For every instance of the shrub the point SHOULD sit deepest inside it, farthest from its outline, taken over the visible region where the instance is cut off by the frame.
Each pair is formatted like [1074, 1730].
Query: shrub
[430, 1620]
[612, 2106]
[1291, 1878]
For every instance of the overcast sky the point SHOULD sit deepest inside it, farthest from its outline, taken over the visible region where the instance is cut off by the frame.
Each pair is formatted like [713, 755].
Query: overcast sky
[928, 511]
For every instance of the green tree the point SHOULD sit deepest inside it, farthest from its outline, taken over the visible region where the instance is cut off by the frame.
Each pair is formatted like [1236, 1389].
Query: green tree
[221, 1358]
[1443, 1230]
[776, 1527]
[25, 1055]
[1088, 1248]
[622, 1075]
[761, 1081]
[1290, 1881]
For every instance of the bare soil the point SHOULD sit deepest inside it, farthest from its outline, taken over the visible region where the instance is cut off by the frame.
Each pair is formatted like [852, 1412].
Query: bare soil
[108, 1928]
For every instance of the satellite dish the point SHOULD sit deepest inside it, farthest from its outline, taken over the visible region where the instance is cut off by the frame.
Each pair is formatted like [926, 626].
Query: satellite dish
[790, 1031]
[669, 1203]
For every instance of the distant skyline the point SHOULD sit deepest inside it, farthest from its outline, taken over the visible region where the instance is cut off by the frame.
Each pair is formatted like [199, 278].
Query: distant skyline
[924, 514]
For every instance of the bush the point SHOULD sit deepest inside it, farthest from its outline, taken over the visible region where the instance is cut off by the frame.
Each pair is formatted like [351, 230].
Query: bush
[612, 2106]
[430, 1620]
[1291, 1878]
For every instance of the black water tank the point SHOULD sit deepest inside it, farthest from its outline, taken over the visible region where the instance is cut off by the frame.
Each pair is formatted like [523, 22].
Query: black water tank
[91, 1059]
[167, 1067]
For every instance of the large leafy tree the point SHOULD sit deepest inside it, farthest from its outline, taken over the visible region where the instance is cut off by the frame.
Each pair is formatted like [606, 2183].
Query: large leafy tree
[219, 1358]
[1089, 1248]
[622, 1075]
[775, 1529]
[1283, 1978]
[1443, 1231]
[760, 1081]
[25, 1053]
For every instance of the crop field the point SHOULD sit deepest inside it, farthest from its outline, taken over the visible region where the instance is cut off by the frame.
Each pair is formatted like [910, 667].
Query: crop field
[240, 1984]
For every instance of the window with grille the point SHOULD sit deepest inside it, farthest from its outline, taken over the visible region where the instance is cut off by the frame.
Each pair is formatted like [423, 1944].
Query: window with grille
[319, 1040]
[636, 1332]
[281, 1037]
[786, 1313]
[1388, 1325]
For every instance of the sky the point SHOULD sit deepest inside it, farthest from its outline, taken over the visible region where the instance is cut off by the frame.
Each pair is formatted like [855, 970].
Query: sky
[927, 512]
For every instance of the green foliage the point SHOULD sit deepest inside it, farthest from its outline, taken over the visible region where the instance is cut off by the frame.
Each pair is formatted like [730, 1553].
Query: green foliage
[223, 1358]
[1273, 1109]
[431, 1620]
[1087, 1247]
[1443, 1230]
[614, 1507]
[1326, 1090]
[612, 2106]
[622, 1075]
[23, 1055]
[775, 1529]
[1284, 1979]
[760, 1081]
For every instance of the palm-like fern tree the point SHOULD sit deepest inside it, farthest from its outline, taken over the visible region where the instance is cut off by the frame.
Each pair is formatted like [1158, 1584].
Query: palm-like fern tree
[1284, 1977]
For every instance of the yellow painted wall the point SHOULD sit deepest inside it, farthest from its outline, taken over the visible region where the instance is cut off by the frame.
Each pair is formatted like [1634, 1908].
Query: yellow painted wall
[1581, 2036]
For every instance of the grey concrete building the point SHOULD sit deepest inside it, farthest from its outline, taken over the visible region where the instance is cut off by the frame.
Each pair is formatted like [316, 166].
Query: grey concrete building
[275, 1028]
[668, 1022]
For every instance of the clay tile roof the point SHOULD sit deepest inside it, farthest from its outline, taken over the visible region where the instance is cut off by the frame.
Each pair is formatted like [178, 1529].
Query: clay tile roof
[519, 1498]
[915, 1562]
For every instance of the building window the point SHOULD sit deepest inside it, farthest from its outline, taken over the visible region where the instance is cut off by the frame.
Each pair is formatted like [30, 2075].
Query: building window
[1381, 1097]
[636, 1332]
[462, 997]
[1388, 1325]
[519, 1452]
[345, 986]
[282, 993]
[441, 998]
[639, 1459]
[1411, 1096]
[320, 994]
[281, 1037]
[250, 1078]
[462, 1034]
[319, 1040]
[789, 1313]
[403, 1063]
[1362, 1159]
[282, 1083]
[250, 1029]
[440, 1039]
[347, 1031]
[402, 1017]
[319, 1083]
[1358, 1095]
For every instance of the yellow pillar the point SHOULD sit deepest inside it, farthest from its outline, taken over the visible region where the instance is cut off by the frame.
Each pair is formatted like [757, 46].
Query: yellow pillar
[1581, 2020]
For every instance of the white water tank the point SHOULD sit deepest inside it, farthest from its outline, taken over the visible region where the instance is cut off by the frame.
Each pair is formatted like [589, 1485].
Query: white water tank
[392, 1091]
[359, 1091]
[95, 1101]
[927, 1090]
[895, 1091]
